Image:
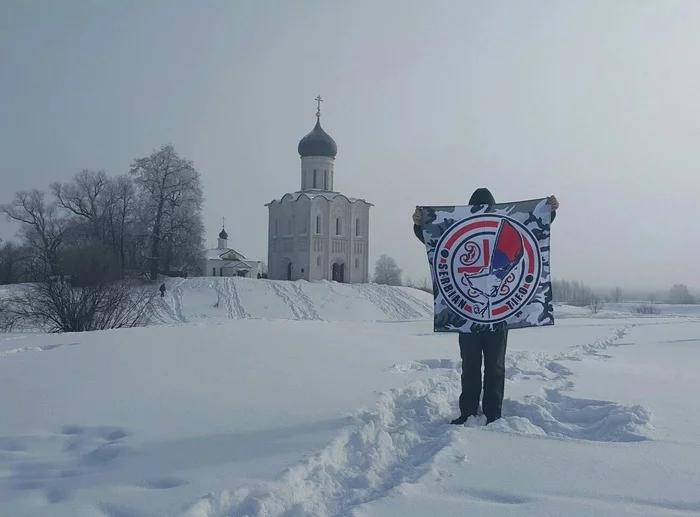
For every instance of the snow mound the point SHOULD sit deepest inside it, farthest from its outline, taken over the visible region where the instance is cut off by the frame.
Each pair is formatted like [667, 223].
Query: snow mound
[561, 416]
[207, 299]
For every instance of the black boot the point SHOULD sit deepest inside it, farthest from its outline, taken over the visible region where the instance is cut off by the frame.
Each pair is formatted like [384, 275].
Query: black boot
[460, 420]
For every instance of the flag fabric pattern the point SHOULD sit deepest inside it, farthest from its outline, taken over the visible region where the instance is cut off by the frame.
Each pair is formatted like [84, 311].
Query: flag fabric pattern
[489, 265]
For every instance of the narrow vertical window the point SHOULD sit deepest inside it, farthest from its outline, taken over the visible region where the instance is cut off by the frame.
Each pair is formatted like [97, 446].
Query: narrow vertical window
[315, 178]
[325, 180]
[318, 224]
[337, 225]
[221, 271]
[357, 227]
[213, 271]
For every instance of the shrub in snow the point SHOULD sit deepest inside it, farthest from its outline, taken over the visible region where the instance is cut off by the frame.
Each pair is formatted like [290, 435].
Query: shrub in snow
[596, 305]
[647, 308]
[57, 305]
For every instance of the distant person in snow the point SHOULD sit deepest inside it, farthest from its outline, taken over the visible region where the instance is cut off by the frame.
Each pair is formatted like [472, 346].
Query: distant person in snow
[162, 290]
[492, 344]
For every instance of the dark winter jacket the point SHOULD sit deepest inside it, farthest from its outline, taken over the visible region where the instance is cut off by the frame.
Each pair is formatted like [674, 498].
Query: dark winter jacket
[481, 196]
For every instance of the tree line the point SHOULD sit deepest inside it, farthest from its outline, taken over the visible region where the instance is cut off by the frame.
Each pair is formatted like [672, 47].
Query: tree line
[568, 292]
[90, 248]
[146, 221]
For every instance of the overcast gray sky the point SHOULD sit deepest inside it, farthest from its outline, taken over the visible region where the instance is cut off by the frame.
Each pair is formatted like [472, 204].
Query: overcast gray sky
[593, 101]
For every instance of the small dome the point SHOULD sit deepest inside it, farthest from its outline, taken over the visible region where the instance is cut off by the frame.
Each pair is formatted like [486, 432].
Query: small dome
[317, 143]
[223, 234]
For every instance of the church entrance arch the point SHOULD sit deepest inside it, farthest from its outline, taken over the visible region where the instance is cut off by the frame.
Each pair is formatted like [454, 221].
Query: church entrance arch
[289, 269]
[338, 272]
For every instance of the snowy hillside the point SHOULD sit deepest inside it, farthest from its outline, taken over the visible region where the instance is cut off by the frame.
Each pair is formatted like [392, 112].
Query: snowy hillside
[293, 399]
[217, 298]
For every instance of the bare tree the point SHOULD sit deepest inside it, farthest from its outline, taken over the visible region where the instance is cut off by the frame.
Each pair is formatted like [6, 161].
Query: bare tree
[386, 271]
[574, 293]
[182, 238]
[596, 305]
[85, 197]
[13, 262]
[42, 225]
[424, 284]
[616, 295]
[561, 291]
[102, 208]
[120, 215]
[170, 189]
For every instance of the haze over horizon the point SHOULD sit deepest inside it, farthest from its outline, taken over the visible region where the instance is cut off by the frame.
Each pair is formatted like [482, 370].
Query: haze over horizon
[594, 102]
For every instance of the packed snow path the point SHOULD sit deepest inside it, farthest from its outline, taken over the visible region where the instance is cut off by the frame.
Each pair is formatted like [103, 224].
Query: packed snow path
[207, 299]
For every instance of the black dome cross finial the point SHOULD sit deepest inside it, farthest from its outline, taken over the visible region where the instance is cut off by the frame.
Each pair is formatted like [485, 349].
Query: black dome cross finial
[318, 100]
[317, 142]
[223, 234]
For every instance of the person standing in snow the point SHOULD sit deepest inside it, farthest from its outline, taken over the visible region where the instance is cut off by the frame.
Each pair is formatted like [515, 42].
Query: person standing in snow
[492, 344]
[162, 290]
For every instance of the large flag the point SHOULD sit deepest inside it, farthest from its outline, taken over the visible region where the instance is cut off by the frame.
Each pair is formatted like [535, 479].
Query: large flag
[489, 265]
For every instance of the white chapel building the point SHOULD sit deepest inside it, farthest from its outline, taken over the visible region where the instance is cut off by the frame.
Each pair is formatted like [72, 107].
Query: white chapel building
[317, 233]
[225, 261]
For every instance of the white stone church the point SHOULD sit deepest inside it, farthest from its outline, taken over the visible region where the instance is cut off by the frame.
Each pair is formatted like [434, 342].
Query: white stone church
[225, 261]
[317, 233]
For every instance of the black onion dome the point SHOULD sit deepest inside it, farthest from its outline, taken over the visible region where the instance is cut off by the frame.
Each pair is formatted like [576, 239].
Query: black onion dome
[223, 234]
[317, 143]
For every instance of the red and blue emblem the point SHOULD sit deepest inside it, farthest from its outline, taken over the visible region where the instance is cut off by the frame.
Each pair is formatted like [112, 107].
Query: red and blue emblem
[488, 267]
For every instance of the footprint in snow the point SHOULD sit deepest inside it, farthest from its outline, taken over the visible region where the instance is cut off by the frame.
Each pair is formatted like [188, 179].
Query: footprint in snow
[165, 483]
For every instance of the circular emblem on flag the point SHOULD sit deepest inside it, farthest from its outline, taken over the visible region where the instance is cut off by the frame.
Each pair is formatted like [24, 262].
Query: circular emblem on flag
[488, 267]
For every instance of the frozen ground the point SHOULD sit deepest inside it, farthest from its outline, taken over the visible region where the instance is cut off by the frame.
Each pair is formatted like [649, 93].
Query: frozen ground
[297, 399]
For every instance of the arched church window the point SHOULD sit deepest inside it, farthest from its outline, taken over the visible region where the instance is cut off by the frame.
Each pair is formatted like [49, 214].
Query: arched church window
[337, 226]
[318, 224]
[357, 227]
[325, 180]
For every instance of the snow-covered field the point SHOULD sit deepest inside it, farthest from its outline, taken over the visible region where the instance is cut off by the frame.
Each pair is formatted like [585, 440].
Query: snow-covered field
[295, 399]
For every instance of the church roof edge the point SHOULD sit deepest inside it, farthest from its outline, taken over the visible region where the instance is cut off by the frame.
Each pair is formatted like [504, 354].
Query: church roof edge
[329, 195]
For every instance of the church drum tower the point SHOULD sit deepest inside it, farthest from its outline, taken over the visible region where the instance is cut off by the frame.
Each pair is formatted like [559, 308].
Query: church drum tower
[317, 233]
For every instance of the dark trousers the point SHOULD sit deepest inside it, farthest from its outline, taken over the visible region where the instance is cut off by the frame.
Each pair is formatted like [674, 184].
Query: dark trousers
[493, 347]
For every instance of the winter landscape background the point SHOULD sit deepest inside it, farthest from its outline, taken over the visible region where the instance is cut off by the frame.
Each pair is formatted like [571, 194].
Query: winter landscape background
[131, 131]
[298, 399]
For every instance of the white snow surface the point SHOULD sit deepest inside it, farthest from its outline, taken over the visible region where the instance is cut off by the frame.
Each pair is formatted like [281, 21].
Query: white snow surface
[321, 399]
